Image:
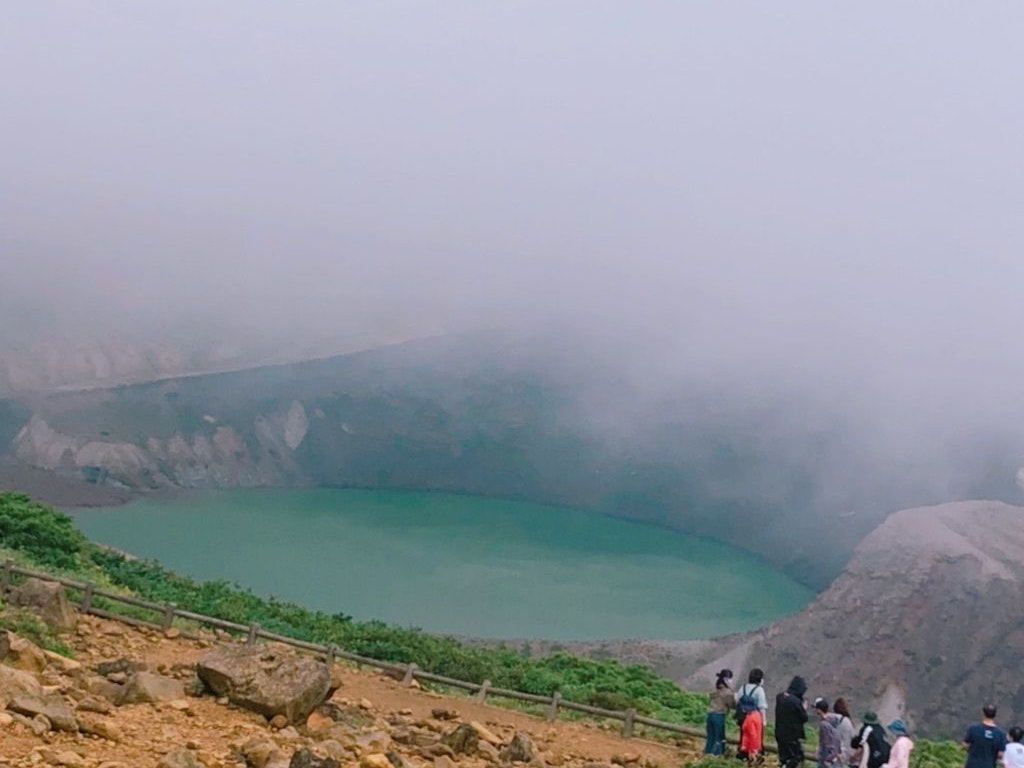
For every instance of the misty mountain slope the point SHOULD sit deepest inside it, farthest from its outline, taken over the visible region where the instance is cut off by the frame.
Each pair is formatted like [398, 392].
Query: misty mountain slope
[490, 415]
[927, 621]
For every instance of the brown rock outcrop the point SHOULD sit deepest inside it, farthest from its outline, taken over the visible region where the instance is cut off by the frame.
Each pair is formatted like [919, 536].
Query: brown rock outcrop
[267, 680]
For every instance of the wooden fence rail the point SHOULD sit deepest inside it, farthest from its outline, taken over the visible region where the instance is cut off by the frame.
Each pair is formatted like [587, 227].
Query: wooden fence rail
[167, 612]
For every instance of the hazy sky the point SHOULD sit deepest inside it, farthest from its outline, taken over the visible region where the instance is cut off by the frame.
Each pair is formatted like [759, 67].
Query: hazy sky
[819, 191]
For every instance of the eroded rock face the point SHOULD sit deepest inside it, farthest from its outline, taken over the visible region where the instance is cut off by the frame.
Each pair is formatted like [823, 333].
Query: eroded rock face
[49, 600]
[15, 683]
[268, 680]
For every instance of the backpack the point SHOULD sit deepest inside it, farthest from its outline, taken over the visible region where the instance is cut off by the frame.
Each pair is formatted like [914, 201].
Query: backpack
[746, 703]
[878, 747]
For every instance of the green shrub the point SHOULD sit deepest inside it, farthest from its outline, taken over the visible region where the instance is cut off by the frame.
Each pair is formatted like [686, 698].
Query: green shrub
[47, 536]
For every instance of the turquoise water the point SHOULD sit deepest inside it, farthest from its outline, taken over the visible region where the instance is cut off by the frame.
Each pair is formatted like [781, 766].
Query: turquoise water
[456, 564]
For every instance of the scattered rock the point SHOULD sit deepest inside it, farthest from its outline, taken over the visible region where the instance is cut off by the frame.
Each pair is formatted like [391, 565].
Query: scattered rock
[277, 722]
[66, 758]
[48, 599]
[319, 722]
[172, 633]
[146, 687]
[443, 761]
[375, 760]
[444, 714]
[519, 750]
[39, 725]
[100, 686]
[463, 740]
[485, 733]
[121, 665]
[51, 707]
[61, 663]
[180, 758]
[487, 751]
[306, 759]
[100, 726]
[15, 682]
[19, 653]
[266, 680]
[259, 752]
[626, 758]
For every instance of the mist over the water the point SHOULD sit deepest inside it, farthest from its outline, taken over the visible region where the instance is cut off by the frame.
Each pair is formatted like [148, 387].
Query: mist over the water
[808, 204]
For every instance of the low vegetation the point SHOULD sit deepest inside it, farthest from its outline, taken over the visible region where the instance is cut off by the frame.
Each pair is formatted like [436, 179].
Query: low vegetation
[36, 535]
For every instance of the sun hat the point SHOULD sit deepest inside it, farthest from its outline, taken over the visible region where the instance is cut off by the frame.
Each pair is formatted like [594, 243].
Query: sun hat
[870, 718]
[898, 727]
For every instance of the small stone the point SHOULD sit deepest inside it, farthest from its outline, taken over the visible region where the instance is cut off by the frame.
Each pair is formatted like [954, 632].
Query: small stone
[487, 751]
[365, 704]
[485, 734]
[439, 713]
[181, 705]
[171, 633]
[222, 700]
[626, 758]
[277, 722]
[444, 761]
[519, 750]
[180, 758]
[375, 760]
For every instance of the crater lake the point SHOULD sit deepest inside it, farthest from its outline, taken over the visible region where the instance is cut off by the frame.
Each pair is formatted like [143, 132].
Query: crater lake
[455, 564]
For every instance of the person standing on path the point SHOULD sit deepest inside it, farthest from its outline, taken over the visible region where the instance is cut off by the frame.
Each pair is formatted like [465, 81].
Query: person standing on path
[723, 701]
[985, 742]
[1013, 756]
[830, 747]
[753, 723]
[899, 753]
[846, 731]
[790, 716]
[871, 742]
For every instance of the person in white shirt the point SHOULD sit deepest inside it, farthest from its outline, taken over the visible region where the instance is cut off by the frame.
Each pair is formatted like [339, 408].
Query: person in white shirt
[1013, 756]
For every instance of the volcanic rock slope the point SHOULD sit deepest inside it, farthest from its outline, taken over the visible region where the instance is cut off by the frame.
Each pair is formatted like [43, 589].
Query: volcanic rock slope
[131, 699]
[927, 621]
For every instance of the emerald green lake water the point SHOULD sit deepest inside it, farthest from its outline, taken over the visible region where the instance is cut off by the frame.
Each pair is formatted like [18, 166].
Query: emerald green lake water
[456, 564]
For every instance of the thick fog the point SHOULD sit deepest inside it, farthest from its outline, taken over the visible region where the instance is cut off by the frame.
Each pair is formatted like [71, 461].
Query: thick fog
[806, 197]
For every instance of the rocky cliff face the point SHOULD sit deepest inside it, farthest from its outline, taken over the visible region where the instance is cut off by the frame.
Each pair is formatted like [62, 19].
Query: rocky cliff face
[926, 622]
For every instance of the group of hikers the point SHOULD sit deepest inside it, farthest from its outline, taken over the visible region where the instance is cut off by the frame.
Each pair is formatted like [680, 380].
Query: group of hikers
[840, 744]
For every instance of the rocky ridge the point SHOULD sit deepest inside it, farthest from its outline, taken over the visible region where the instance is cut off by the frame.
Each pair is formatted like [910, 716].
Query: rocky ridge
[926, 623]
[140, 697]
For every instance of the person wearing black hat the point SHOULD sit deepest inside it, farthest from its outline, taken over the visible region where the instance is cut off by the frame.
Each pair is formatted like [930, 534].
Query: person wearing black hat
[722, 700]
[790, 716]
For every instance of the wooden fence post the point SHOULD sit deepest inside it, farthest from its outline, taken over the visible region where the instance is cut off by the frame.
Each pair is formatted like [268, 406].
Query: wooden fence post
[169, 610]
[410, 675]
[87, 597]
[332, 652]
[628, 723]
[553, 709]
[254, 630]
[5, 579]
[481, 694]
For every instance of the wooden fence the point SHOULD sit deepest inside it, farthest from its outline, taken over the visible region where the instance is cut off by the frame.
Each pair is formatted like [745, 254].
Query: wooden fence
[168, 612]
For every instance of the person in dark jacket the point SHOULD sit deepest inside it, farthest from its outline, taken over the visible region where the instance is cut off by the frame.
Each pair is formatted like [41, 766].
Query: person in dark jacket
[790, 716]
[872, 742]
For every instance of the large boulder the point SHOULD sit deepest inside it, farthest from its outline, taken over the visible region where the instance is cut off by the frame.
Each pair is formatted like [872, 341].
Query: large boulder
[20, 653]
[48, 599]
[268, 680]
[51, 707]
[146, 687]
[15, 683]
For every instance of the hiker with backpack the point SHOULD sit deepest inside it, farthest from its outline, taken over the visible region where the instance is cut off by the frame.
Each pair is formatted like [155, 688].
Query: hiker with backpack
[722, 700]
[872, 742]
[790, 716]
[830, 744]
[752, 717]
